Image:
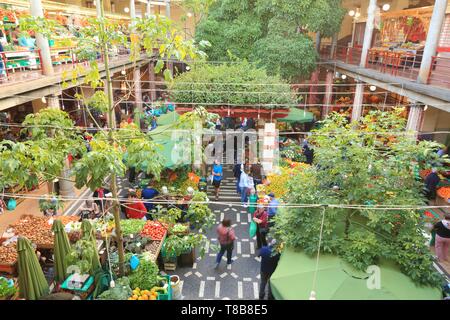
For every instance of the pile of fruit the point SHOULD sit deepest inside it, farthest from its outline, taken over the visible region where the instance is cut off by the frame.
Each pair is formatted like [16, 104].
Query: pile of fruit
[152, 294]
[444, 192]
[36, 229]
[8, 254]
[154, 230]
[139, 294]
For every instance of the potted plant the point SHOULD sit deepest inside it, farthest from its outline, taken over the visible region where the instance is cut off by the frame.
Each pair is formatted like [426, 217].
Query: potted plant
[50, 204]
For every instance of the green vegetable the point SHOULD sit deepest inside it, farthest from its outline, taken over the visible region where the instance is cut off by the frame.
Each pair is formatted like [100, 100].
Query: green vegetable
[122, 291]
[5, 289]
[131, 226]
[145, 276]
[178, 228]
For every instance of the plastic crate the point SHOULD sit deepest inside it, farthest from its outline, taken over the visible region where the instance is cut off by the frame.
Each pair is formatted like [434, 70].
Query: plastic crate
[167, 296]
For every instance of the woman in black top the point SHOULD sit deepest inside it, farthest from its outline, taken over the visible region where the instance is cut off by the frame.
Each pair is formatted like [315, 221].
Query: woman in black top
[442, 245]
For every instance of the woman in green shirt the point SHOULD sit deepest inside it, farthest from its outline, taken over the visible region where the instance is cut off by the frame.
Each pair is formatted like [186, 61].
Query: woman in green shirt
[252, 199]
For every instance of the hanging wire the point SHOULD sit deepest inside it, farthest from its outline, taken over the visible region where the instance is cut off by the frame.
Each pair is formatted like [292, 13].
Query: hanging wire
[313, 289]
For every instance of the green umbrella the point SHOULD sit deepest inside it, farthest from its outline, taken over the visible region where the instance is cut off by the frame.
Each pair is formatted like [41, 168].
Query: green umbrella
[88, 233]
[168, 118]
[162, 135]
[32, 282]
[297, 115]
[61, 248]
[337, 280]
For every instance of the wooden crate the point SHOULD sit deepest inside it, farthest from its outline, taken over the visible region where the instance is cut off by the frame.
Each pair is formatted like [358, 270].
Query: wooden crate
[9, 268]
[186, 260]
[169, 266]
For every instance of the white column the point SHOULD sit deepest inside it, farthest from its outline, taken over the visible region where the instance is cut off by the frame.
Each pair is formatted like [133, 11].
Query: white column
[167, 9]
[42, 42]
[328, 94]
[151, 78]
[369, 31]
[98, 8]
[414, 118]
[437, 19]
[132, 12]
[137, 88]
[333, 45]
[357, 103]
[149, 8]
[66, 187]
[53, 101]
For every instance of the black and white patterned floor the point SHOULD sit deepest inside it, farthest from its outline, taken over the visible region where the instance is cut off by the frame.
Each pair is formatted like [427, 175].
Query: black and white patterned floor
[242, 281]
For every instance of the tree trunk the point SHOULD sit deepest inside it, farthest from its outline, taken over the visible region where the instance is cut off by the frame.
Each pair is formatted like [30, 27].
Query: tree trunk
[112, 125]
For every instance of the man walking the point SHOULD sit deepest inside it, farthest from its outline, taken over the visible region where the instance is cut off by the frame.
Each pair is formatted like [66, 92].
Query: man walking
[256, 171]
[269, 262]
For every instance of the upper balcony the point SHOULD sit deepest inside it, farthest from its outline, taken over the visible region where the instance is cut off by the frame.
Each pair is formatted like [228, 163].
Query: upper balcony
[396, 62]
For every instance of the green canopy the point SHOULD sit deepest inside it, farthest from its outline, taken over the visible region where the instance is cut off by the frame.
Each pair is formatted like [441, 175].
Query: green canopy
[298, 115]
[89, 233]
[336, 280]
[168, 118]
[32, 282]
[61, 248]
[162, 135]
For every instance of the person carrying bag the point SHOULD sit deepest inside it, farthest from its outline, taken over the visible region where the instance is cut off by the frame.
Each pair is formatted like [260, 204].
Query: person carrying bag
[226, 239]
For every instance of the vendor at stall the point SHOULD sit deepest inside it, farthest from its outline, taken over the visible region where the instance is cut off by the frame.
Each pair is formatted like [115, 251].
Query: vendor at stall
[149, 193]
[135, 208]
[431, 183]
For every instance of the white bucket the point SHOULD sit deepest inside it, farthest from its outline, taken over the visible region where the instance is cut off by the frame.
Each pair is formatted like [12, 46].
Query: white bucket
[176, 285]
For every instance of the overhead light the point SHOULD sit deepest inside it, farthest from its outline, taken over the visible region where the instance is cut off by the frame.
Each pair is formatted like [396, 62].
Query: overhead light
[43, 100]
[373, 88]
[189, 15]
[188, 68]
[126, 9]
[344, 76]
[386, 7]
[123, 72]
[426, 108]
[357, 14]
[351, 13]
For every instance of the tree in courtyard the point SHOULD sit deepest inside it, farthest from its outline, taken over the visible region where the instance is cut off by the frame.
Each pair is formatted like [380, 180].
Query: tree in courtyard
[235, 83]
[359, 172]
[273, 33]
[106, 158]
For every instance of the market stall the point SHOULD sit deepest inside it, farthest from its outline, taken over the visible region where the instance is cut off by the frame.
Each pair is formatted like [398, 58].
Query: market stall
[36, 229]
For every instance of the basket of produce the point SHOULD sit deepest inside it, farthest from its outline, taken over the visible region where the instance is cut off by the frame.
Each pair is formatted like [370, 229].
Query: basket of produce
[8, 258]
[444, 193]
[179, 229]
[36, 229]
[154, 230]
[131, 226]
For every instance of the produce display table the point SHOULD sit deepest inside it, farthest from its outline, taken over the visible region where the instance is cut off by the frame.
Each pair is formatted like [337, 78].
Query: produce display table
[36, 229]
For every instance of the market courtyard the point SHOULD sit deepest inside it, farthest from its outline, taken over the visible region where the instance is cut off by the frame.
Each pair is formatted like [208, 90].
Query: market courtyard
[225, 150]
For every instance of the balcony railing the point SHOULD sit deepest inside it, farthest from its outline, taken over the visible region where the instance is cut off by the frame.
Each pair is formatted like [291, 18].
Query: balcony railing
[25, 64]
[404, 64]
